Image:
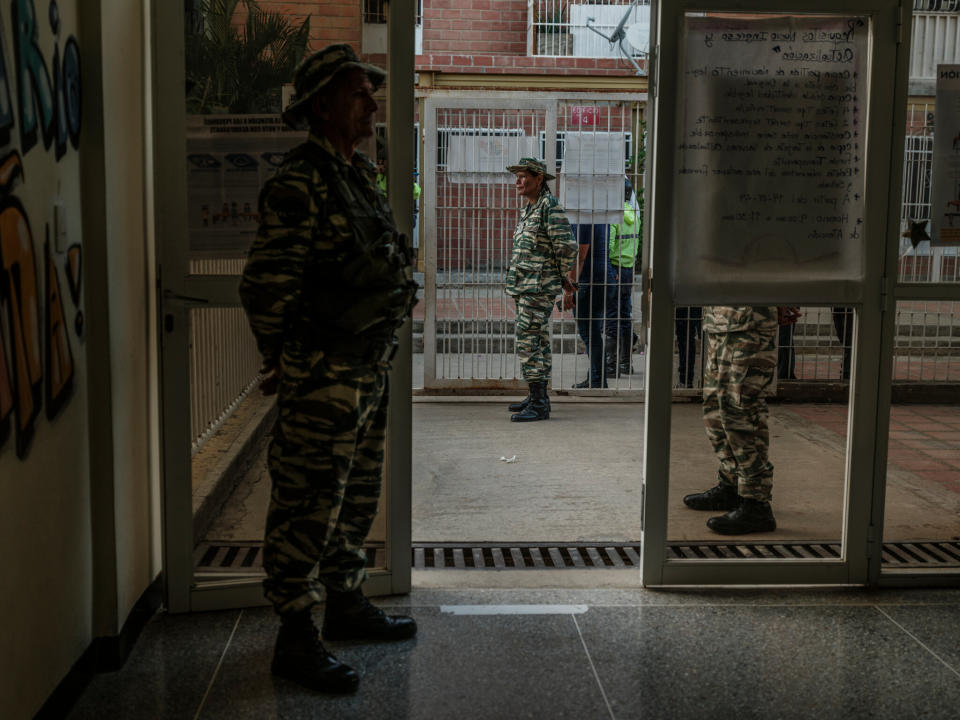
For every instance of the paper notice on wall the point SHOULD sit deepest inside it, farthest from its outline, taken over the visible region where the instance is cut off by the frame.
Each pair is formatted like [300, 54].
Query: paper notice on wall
[229, 158]
[945, 190]
[484, 158]
[769, 165]
[601, 193]
[594, 153]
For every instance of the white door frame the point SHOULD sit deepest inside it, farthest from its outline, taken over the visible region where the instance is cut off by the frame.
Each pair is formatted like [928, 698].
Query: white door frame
[179, 292]
[870, 388]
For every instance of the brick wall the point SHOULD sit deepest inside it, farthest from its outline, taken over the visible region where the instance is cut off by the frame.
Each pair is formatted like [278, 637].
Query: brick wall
[488, 27]
[331, 21]
[459, 36]
[523, 65]
[490, 37]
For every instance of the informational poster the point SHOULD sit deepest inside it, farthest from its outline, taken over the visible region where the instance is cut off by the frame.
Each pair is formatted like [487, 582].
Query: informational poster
[769, 164]
[591, 181]
[229, 157]
[945, 192]
[486, 153]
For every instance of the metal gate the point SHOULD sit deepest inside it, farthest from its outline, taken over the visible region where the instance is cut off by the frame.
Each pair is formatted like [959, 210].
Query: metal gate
[592, 143]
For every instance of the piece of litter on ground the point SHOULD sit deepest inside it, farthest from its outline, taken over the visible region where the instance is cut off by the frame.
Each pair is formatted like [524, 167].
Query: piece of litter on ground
[508, 459]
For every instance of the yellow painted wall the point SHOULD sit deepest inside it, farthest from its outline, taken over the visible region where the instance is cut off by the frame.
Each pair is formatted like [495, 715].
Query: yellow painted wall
[45, 526]
[79, 547]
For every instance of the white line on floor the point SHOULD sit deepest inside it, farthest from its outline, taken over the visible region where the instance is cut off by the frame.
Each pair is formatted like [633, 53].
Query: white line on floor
[514, 609]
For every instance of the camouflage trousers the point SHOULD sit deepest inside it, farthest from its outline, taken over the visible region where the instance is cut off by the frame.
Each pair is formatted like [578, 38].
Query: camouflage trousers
[739, 373]
[326, 466]
[533, 337]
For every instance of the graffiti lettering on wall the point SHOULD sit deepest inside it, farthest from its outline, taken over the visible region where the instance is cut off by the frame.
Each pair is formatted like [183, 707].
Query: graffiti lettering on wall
[36, 360]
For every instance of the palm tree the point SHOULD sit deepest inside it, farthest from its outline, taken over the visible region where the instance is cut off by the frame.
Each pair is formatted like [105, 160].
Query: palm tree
[235, 67]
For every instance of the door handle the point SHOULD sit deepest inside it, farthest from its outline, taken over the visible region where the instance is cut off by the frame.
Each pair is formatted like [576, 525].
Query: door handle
[169, 295]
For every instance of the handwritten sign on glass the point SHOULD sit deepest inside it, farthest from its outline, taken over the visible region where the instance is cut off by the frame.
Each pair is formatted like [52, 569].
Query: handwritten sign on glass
[771, 141]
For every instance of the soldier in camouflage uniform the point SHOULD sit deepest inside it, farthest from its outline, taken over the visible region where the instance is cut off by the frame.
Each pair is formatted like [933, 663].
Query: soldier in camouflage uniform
[739, 374]
[327, 283]
[543, 252]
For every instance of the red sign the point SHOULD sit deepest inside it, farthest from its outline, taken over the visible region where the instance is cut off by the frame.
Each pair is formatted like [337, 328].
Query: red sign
[582, 115]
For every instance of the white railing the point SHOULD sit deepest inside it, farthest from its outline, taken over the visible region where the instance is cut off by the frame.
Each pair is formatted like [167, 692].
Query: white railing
[568, 28]
[935, 41]
[224, 361]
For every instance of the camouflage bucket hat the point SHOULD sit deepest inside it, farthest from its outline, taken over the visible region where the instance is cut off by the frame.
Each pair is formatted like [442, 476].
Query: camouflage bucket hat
[537, 167]
[316, 71]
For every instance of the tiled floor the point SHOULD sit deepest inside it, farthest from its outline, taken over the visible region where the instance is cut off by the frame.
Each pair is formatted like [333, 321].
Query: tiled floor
[573, 654]
[924, 439]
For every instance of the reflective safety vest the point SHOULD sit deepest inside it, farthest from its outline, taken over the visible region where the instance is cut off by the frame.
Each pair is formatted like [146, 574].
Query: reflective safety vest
[624, 241]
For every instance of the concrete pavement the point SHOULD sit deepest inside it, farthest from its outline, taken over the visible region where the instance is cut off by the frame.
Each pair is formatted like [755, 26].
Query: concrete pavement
[576, 477]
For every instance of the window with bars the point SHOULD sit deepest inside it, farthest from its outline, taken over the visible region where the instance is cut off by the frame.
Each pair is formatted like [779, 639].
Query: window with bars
[580, 28]
[937, 5]
[375, 12]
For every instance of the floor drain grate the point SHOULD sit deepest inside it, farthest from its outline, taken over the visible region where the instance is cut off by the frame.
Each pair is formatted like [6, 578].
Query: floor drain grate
[520, 556]
[240, 557]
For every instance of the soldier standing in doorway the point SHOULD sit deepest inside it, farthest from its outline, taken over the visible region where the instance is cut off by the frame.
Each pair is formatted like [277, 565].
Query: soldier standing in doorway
[739, 373]
[327, 284]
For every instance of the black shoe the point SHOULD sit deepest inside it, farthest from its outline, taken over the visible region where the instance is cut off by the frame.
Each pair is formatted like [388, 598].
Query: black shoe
[590, 384]
[350, 616]
[625, 365]
[719, 497]
[519, 406]
[610, 362]
[522, 405]
[300, 656]
[539, 406]
[753, 516]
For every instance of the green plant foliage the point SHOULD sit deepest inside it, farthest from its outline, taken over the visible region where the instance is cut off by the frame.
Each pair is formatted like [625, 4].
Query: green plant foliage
[240, 68]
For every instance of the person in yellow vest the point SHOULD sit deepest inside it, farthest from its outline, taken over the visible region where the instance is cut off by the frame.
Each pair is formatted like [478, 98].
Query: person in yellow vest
[624, 248]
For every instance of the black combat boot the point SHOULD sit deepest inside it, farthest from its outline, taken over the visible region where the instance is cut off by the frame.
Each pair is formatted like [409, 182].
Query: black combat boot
[719, 497]
[522, 405]
[300, 656]
[753, 516]
[539, 406]
[625, 366]
[350, 616]
[610, 360]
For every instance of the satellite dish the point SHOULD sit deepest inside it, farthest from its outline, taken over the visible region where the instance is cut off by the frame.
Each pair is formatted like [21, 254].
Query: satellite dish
[641, 36]
[638, 35]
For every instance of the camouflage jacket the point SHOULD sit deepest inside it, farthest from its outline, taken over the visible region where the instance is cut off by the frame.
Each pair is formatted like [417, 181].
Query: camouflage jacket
[724, 318]
[327, 270]
[544, 249]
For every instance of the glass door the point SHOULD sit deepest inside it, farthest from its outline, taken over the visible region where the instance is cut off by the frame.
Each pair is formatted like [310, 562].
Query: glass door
[775, 163]
[218, 137]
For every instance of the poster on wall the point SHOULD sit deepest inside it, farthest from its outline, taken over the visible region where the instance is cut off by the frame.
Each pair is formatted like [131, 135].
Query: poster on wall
[229, 157]
[769, 162]
[945, 192]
